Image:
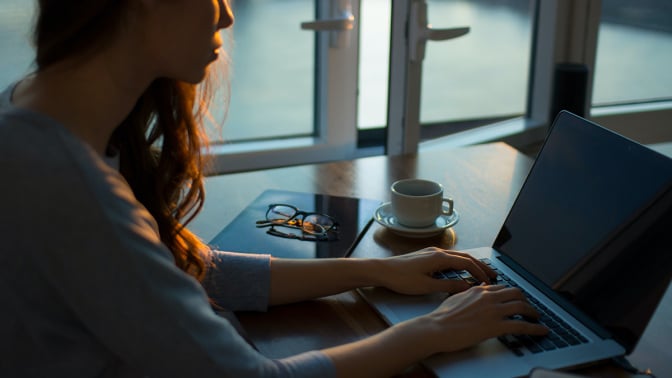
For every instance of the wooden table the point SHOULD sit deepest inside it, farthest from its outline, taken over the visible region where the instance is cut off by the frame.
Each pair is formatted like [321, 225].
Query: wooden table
[483, 180]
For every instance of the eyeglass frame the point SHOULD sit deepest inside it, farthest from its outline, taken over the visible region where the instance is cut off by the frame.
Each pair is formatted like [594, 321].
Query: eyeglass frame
[291, 222]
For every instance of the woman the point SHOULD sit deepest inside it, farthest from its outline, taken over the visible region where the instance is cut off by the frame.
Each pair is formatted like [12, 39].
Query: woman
[100, 150]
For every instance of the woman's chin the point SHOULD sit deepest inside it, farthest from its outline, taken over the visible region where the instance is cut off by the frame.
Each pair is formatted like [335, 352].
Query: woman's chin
[196, 77]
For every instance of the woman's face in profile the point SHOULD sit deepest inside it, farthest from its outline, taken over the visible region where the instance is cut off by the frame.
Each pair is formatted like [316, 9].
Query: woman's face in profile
[183, 36]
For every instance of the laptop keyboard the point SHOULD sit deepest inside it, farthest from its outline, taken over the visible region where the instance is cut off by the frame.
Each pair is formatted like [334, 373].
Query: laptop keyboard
[561, 334]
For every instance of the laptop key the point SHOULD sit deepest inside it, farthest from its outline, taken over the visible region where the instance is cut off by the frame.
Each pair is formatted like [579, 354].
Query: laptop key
[449, 274]
[530, 343]
[558, 342]
[546, 344]
[471, 281]
[571, 340]
[512, 344]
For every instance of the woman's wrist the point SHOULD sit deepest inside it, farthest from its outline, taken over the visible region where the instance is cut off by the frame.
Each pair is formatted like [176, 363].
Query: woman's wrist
[372, 272]
[386, 353]
[419, 334]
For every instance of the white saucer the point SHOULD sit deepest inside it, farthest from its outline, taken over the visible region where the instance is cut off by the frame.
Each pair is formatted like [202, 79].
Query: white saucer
[385, 217]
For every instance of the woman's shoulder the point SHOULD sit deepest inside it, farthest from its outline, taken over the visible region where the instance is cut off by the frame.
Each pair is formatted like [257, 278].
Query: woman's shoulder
[36, 149]
[43, 158]
[36, 154]
[58, 182]
[34, 142]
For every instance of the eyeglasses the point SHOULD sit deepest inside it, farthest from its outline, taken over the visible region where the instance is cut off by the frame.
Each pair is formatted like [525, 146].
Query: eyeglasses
[313, 226]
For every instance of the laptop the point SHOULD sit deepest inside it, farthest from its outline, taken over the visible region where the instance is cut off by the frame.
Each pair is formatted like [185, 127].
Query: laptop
[586, 239]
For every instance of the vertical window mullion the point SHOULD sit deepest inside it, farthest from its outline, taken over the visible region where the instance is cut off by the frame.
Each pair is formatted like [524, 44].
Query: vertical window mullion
[565, 32]
[399, 96]
[340, 105]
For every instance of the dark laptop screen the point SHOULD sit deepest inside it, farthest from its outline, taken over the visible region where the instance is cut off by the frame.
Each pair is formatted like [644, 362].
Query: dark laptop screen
[591, 223]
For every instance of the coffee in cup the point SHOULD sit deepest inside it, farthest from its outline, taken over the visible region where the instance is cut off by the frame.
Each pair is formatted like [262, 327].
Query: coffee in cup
[417, 203]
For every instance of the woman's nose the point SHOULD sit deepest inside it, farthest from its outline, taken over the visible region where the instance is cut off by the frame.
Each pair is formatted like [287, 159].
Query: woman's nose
[225, 14]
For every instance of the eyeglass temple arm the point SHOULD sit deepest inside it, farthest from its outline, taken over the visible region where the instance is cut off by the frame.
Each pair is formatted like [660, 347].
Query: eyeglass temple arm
[267, 223]
[272, 231]
[275, 232]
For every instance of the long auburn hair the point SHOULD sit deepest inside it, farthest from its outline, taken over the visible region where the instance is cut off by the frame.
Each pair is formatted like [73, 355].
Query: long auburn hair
[160, 142]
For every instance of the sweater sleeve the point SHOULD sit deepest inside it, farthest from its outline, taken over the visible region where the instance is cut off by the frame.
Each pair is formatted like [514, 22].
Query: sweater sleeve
[239, 281]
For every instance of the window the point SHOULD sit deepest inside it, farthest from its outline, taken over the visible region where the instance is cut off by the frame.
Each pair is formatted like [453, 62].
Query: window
[624, 46]
[634, 53]
[632, 87]
[350, 88]
[15, 22]
[294, 91]
[272, 78]
[481, 77]
[374, 71]
[483, 74]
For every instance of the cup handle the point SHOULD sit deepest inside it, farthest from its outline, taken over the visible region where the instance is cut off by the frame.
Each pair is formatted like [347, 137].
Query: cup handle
[450, 207]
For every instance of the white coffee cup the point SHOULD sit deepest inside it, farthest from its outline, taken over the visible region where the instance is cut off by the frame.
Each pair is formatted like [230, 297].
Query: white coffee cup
[417, 202]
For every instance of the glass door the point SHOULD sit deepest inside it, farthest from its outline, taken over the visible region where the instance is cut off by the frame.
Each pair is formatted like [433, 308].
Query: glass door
[293, 87]
[484, 74]
[272, 72]
[455, 83]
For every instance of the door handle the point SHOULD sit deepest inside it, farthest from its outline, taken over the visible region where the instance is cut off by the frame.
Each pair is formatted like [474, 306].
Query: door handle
[338, 26]
[420, 31]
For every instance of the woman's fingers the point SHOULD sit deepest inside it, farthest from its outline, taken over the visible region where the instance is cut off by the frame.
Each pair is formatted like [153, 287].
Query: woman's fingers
[518, 307]
[463, 261]
[483, 312]
[522, 327]
[440, 259]
[501, 302]
[449, 285]
[411, 273]
[517, 314]
[491, 273]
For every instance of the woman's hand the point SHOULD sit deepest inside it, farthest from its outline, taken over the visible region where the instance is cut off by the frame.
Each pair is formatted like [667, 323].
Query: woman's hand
[462, 320]
[480, 313]
[412, 273]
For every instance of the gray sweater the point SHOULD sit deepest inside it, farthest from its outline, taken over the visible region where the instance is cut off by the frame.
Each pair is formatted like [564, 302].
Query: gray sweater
[88, 289]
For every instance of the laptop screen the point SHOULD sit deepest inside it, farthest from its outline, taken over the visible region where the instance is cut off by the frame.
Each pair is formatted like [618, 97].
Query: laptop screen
[591, 223]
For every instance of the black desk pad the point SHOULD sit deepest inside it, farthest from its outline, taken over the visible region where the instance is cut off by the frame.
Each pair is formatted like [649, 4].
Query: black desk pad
[354, 216]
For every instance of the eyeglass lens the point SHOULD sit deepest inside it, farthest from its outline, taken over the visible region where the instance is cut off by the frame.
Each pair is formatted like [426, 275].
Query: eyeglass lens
[310, 223]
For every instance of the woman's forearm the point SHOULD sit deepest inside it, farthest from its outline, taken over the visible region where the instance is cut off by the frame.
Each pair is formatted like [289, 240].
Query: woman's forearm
[294, 280]
[384, 354]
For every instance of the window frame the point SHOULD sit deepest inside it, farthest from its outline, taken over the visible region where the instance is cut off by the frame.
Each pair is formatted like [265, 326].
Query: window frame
[563, 31]
[335, 112]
